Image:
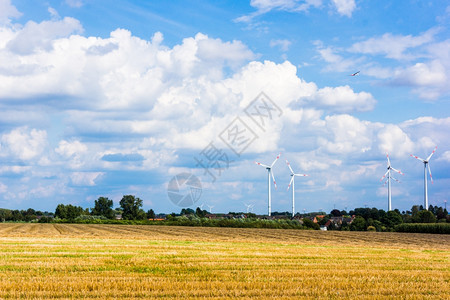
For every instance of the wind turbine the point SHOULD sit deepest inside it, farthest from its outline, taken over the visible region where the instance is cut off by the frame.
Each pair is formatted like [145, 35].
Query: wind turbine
[249, 206]
[389, 176]
[210, 208]
[425, 164]
[293, 186]
[270, 173]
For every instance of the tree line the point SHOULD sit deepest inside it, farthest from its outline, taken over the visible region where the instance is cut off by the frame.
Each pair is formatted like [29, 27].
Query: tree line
[130, 212]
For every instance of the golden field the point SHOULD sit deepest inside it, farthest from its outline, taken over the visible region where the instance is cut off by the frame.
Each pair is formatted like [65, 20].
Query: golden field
[67, 261]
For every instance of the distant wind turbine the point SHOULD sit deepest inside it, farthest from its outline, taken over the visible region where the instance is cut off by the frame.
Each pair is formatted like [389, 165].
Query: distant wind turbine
[389, 176]
[293, 174]
[210, 208]
[425, 164]
[270, 173]
[249, 206]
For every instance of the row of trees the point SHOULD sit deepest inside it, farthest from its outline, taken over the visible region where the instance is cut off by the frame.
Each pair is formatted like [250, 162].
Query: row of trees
[374, 219]
[130, 209]
[359, 219]
[22, 215]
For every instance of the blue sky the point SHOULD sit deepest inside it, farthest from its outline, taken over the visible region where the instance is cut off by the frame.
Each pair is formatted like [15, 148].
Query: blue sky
[101, 99]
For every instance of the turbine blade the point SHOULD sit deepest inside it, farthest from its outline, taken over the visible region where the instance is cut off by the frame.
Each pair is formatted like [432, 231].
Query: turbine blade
[300, 174]
[275, 160]
[429, 171]
[396, 179]
[384, 175]
[260, 164]
[400, 172]
[431, 154]
[274, 182]
[289, 165]
[389, 162]
[422, 160]
[290, 182]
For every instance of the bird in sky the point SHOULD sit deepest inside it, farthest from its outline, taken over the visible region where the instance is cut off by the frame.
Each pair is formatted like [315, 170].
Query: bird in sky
[354, 74]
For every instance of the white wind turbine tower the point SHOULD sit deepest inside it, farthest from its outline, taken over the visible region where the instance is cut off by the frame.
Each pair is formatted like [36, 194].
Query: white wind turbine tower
[389, 176]
[425, 164]
[293, 186]
[270, 173]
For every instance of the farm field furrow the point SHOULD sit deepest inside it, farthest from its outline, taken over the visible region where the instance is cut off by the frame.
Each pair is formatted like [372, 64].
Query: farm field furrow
[61, 261]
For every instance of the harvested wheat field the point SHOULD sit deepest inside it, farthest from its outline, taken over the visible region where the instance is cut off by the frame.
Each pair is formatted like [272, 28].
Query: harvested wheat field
[45, 261]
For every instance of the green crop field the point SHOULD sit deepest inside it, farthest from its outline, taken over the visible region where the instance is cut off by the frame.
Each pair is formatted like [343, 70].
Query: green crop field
[44, 261]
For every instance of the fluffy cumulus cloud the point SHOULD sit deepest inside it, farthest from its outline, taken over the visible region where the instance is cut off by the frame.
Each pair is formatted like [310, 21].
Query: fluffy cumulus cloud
[24, 143]
[342, 99]
[41, 36]
[349, 135]
[392, 139]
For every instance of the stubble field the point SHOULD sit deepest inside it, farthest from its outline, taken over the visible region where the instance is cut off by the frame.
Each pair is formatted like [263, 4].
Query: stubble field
[65, 261]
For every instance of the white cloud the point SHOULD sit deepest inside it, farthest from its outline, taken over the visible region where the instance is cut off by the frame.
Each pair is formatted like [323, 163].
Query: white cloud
[69, 149]
[423, 63]
[342, 99]
[73, 153]
[23, 143]
[75, 3]
[392, 139]
[393, 46]
[335, 61]
[429, 80]
[85, 178]
[444, 157]
[348, 135]
[345, 7]
[53, 13]
[3, 188]
[282, 44]
[8, 11]
[14, 169]
[34, 37]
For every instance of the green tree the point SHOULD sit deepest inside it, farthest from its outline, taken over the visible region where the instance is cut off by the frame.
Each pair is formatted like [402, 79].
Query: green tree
[187, 211]
[131, 207]
[103, 207]
[336, 213]
[61, 211]
[68, 212]
[74, 212]
[324, 220]
[358, 224]
[426, 216]
[310, 224]
[392, 219]
[151, 214]
[200, 213]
